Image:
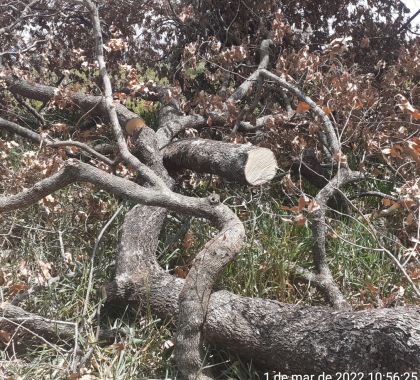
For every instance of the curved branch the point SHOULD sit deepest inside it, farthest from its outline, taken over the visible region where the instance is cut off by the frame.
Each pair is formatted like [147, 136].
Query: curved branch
[173, 123]
[333, 143]
[75, 171]
[45, 187]
[324, 278]
[207, 265]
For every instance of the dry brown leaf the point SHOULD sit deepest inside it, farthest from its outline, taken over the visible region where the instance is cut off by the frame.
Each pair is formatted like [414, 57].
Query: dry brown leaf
[188, 240]
[387, 202]
[300, 220]
[5, 336]
[181, 272]
[302, 107]
[416, 114]
[404, 104]
[17, 288]
[313, 206]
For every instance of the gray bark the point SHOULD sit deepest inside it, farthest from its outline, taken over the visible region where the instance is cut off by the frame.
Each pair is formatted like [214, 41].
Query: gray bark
[275, 336]
[245, 164]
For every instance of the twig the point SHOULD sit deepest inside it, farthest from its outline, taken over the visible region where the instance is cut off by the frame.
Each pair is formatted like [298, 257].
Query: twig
[374, 233]
[408, 22]
[50, 142]
[374, 194]
[21, 51]
[22, 16]
[86, 114]
[82, 146]
[32, 110]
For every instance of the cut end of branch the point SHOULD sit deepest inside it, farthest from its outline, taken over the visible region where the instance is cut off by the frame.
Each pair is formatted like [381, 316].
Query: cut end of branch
[260, 167]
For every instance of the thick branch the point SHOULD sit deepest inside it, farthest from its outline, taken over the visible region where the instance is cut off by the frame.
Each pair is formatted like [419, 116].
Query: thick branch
[74, 171]
[243, 89]
[27, 329]
[87, 103]
[21, 131]
[209, 262]
[288, 338]
[246, 164]
[40, 190]
[172, 123]
[30, 328]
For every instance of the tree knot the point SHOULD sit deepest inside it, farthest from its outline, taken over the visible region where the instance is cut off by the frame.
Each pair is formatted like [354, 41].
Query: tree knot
[214, 198]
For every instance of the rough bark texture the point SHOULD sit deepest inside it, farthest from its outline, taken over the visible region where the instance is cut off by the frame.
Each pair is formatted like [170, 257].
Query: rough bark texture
[289, 338]
[95, 105]
[246, 164]
[319, 232]
[298, 339]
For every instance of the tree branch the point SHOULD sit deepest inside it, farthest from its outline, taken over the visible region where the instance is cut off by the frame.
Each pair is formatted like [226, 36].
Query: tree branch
[333, 143]
[324, 277]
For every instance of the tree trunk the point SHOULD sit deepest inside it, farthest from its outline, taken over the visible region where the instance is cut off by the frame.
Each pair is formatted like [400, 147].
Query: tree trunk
[287, 338]
[294, 339]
